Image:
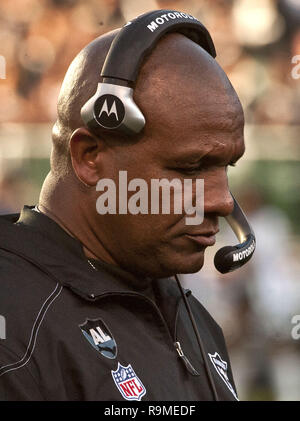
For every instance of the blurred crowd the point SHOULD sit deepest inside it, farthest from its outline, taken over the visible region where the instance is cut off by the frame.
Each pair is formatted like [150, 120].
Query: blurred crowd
[256, 41]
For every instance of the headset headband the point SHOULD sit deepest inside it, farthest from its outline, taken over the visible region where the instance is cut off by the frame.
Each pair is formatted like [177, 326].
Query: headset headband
[112, 107]
[139, 37]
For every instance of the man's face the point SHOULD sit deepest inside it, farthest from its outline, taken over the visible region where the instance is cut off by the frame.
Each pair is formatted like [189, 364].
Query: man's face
[191, 142]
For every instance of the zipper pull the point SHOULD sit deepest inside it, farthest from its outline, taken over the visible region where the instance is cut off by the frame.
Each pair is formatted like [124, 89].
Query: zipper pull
[179, 349]
[185, 360]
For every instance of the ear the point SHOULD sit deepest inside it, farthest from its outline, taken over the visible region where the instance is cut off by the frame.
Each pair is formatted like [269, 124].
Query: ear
[86, 155]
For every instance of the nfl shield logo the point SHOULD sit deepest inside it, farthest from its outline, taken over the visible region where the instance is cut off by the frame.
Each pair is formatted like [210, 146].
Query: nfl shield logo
[221, 368]
[128, 383]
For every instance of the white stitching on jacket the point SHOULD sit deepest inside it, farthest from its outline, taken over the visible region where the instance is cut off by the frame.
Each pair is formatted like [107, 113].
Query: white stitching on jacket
[34, 332]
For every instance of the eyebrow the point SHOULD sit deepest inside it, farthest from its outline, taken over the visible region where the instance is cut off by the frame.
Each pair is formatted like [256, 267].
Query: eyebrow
[207, 157]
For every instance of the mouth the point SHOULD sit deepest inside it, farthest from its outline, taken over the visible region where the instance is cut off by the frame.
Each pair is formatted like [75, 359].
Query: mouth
[203, 239]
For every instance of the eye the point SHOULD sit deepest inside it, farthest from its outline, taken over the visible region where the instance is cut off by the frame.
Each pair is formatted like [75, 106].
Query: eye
[195, 169]
[231, 164]
[189, 170]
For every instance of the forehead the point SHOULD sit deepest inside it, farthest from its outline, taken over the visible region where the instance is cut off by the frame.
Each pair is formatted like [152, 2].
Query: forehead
[214, 128]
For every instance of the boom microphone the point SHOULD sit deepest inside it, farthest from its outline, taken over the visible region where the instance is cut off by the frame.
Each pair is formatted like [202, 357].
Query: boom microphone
[230, 258]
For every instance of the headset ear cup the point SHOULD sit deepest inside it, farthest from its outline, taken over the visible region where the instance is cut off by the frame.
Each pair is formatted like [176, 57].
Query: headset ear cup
[113, 108]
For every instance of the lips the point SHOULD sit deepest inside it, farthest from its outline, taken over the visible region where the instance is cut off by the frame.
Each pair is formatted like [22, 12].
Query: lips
[204, 239]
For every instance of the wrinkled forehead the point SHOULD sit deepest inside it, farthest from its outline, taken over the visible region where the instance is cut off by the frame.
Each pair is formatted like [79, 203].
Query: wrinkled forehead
[199, 125]
[194, 118]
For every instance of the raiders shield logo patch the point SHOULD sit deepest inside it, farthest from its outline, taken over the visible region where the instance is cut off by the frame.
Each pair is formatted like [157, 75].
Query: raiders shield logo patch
[128, 383]
[221, 368]
[99, 336]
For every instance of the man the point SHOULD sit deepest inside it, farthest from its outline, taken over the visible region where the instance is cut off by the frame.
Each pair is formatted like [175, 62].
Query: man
[92, 309]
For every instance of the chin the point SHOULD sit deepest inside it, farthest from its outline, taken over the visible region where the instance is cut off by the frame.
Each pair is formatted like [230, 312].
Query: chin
[165, 264]
[190, 266]
[180, 265]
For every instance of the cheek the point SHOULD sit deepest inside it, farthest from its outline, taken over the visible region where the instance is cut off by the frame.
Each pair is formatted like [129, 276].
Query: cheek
[143, 231]
[148, 228]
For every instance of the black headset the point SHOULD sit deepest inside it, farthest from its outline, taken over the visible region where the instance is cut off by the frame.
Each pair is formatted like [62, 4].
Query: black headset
[112, 108]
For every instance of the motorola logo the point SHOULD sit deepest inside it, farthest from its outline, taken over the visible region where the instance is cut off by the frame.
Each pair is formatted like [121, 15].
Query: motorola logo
[109, 111]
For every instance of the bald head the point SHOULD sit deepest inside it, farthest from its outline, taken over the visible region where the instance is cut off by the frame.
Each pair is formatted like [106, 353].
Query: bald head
[178, 75]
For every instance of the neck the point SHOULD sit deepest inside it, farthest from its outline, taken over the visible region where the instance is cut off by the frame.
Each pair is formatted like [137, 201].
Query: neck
[60, 201]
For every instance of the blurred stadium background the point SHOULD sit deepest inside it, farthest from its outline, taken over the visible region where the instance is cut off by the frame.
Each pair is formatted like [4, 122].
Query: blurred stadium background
[258, 45]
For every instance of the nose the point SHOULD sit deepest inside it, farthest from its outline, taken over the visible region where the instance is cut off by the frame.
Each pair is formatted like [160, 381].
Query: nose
[217, 197]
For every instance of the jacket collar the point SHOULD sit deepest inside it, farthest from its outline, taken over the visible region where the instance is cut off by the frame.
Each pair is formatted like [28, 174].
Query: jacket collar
[39, 239]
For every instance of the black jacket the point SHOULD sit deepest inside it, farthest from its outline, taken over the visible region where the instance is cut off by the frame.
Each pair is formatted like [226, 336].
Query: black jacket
[80, 330]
